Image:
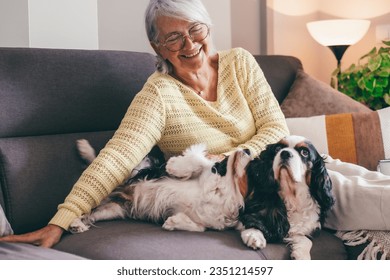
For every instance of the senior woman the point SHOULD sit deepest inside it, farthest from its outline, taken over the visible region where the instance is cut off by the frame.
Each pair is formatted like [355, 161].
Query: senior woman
[196, 95]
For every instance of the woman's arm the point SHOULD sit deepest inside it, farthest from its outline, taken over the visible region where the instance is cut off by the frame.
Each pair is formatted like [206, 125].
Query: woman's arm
[47, 236]
[269, 120]
[139, 131]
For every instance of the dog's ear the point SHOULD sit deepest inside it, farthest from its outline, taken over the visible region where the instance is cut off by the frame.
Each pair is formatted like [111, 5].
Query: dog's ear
[269, 152]
[321, 186]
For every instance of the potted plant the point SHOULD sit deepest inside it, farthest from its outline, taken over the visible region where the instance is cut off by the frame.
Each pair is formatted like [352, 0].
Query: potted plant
[369, 81]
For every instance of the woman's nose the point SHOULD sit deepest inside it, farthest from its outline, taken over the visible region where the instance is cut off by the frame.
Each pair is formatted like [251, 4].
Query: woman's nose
[188, 43]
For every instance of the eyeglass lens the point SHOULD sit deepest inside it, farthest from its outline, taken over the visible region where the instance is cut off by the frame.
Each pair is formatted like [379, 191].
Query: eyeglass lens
[196, 33]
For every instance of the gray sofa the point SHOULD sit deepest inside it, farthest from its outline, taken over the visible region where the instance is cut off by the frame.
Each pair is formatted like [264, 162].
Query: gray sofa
[49, 99]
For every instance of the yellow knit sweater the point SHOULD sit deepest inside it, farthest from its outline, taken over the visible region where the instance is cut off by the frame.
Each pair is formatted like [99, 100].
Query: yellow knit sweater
[168, 113]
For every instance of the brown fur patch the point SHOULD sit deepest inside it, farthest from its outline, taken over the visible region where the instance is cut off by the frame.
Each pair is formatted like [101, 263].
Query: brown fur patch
[240, 175]
[124, 195]
[287, 185]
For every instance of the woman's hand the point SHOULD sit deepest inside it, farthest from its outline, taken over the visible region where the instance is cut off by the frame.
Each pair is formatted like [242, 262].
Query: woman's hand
[47, 236]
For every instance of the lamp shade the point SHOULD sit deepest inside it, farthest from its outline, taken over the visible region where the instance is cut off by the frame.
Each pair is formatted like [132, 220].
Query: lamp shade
[338, 32]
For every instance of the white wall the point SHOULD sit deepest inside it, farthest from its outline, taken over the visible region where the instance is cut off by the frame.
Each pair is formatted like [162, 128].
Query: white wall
[14, 30]
[63, 24]
[121, 25]
[246, 24]
[220, 13]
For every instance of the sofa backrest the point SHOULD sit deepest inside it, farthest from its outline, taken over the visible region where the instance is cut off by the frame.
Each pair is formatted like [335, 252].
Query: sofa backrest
[280, 71]
[49, 98]
[46, 91]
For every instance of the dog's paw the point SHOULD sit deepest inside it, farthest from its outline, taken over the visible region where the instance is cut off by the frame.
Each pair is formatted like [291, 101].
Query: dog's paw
[170, 224]
[300, 247]
[181, 221]
[178, 167]
[253, 238]
[86, 151]
[78, 226]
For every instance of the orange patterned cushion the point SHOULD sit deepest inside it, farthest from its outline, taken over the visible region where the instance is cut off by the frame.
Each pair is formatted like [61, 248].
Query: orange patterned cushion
[362, 138]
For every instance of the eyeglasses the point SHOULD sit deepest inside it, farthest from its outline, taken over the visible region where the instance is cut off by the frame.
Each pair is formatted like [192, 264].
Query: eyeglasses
[176, 41]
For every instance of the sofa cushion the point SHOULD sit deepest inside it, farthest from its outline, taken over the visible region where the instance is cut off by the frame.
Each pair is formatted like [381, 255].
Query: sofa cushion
[58, 91]
[37, 173]
[311, 97]
[362, 138]
[134, 240]
[281, 77]
[20, 251]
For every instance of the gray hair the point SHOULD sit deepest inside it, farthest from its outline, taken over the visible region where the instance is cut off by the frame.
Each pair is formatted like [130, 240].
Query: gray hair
[190, 10]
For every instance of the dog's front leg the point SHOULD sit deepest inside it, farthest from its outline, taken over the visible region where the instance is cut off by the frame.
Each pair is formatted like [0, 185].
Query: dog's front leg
[108, 211]
[300, 247]
[181, 221]
[252, 237]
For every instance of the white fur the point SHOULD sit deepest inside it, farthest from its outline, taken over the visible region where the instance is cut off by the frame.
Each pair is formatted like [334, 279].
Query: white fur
[197, 200]
[86, 151]
[253, 238]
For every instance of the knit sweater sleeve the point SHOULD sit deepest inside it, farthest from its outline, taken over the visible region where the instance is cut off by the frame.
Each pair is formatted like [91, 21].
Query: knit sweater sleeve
[140, 129]
[269, 120]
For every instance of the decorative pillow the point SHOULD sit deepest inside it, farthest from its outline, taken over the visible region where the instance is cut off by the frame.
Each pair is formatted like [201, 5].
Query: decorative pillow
[311, 97]
[5, 228]
[361, 138]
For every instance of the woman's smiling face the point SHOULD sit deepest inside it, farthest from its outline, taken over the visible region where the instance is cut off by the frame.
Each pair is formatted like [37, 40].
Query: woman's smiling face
[193, 54]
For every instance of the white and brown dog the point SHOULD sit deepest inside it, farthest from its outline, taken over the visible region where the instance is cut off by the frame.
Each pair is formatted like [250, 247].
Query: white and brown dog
[194, 197]
[289, 194]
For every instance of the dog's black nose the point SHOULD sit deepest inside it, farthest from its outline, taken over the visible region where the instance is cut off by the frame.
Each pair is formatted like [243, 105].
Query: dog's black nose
[285, 155]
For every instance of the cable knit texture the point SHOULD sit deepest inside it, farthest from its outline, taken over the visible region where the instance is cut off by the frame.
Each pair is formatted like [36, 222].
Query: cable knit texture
[168, 113]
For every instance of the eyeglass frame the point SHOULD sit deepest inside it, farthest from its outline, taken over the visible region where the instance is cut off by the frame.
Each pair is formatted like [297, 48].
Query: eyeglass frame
[183, 37]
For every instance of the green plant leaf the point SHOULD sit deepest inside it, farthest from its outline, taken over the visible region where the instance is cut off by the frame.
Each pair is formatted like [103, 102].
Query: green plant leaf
[333, 82]
[374, 63]
[373, 51]
[336, 72]
[386, 97]
[383, 73]
[383, 50]
[367, 81]
[382, 82]
[378, 91]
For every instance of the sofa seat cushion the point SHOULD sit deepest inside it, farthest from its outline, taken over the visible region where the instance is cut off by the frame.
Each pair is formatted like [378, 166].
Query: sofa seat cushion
[134, 240]
[20, 251]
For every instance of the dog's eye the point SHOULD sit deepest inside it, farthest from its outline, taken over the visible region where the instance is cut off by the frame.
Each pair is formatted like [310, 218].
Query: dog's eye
[304, 153]
[277, 149]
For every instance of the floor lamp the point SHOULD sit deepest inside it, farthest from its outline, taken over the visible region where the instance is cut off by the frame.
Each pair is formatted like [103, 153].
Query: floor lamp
[338, 34]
